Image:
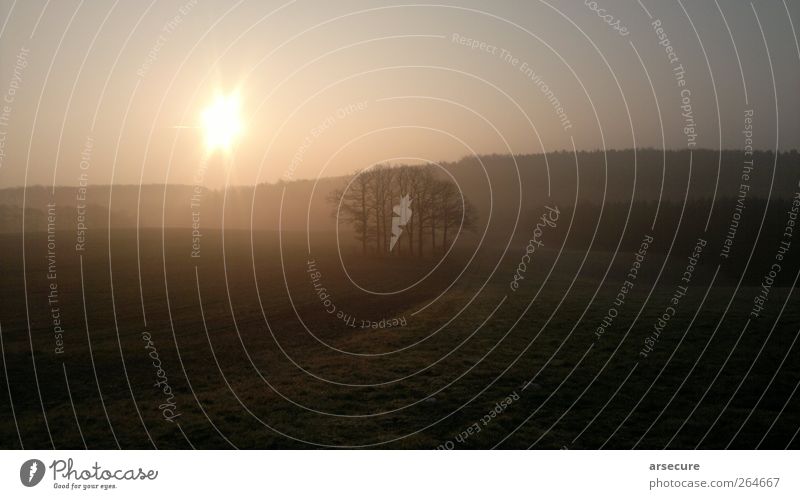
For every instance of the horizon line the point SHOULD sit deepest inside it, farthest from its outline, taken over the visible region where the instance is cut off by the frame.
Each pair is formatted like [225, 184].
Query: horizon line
[280, 181]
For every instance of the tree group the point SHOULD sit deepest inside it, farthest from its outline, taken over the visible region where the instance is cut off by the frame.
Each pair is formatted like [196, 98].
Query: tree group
[437, 209]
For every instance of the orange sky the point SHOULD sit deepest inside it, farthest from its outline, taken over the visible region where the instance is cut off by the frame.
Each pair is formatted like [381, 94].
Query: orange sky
[326, 89]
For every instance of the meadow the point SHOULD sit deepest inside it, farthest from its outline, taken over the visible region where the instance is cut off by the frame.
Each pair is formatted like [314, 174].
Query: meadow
[254, 357]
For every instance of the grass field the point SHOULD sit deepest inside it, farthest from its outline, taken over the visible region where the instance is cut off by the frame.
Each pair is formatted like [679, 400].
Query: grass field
[468, 363]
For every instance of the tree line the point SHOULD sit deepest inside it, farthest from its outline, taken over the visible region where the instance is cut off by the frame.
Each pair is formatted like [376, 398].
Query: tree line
[428, 209]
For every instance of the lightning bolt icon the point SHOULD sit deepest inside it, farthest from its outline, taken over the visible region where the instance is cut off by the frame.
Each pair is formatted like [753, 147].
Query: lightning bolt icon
[402, 215]
[32, 472]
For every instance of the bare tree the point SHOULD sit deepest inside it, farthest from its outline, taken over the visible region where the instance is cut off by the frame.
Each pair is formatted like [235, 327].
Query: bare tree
[353, 205]
[383, 190]
[423, 201]
[450, 207]
[438, 207]
[404, 186]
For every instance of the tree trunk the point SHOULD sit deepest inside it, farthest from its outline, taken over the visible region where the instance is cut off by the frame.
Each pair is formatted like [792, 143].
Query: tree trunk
[363, 221]
[433, 233]
[386, 229]
[420, 233]
[410, 231]
[377, 230]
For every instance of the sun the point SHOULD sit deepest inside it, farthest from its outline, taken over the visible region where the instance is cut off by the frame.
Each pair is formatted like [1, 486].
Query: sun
[222, 123]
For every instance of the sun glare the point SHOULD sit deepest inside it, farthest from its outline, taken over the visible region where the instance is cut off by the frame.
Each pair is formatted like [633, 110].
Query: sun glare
[222, 123]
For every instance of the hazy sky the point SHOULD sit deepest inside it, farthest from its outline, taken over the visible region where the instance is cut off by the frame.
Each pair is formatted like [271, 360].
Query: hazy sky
[329, 87]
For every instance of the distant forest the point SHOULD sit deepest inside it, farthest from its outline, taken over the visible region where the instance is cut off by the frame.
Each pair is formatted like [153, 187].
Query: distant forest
[614, 196]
